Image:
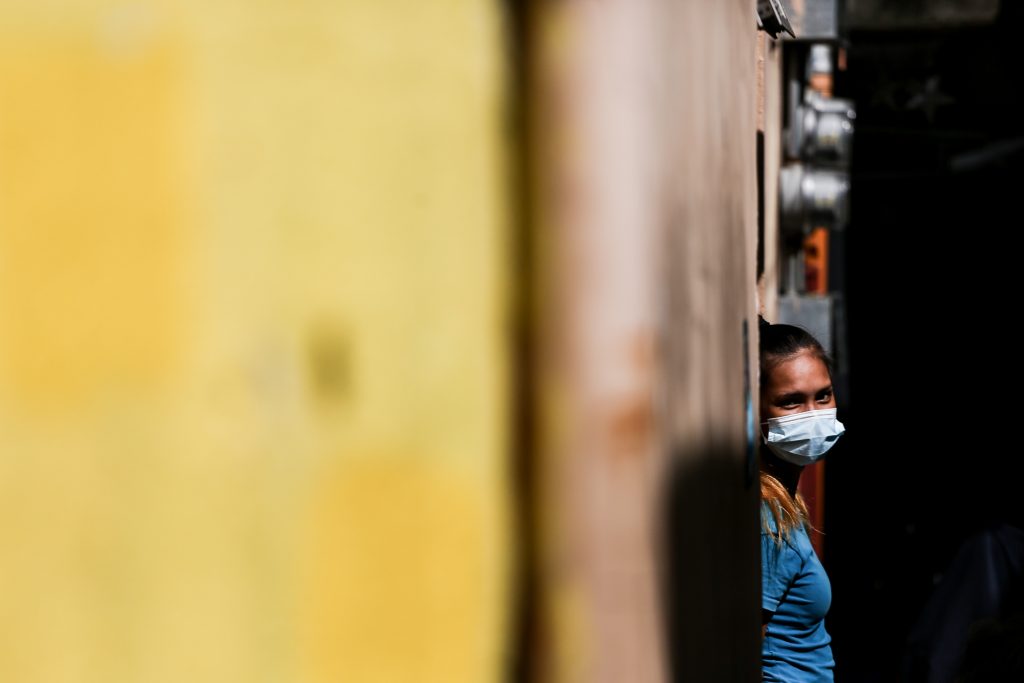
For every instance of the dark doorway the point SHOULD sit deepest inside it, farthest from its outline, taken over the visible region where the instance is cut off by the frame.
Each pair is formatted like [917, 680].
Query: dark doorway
[932, 456]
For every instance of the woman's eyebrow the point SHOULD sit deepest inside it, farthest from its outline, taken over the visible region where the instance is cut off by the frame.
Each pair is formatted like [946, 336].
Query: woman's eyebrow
[792, 396]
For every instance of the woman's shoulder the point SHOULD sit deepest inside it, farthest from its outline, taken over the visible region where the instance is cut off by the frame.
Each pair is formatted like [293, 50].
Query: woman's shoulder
[796, 540]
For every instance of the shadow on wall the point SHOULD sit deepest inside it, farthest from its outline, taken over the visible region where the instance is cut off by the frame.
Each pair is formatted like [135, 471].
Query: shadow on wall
[712, 579]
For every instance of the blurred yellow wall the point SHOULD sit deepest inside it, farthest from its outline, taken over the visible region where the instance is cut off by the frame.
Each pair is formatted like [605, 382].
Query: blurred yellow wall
[253, 379]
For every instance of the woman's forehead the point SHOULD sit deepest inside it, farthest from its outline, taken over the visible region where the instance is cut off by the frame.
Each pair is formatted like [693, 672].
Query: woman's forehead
[802, 369]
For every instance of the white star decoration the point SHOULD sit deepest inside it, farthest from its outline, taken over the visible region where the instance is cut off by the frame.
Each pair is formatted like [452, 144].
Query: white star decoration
[929, 98]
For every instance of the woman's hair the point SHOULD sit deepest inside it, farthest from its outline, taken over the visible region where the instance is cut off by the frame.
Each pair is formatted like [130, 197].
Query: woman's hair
[779, 343]
[788, 512]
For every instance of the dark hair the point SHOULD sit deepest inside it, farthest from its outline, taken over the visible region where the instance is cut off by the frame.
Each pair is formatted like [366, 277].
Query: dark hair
[780, 341]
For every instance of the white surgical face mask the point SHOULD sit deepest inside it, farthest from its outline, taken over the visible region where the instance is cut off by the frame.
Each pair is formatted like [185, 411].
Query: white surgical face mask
[802, 438]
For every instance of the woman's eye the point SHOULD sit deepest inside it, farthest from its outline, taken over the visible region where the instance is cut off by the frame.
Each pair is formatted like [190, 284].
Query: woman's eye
[825, 397]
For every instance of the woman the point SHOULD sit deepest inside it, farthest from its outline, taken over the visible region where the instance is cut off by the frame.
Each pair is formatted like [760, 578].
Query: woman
[798, 413]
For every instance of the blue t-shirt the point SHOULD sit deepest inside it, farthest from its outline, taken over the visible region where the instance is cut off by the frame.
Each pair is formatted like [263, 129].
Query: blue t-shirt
[796, 647]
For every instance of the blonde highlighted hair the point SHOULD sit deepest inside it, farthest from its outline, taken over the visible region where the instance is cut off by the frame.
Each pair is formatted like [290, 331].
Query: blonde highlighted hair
[788, 512]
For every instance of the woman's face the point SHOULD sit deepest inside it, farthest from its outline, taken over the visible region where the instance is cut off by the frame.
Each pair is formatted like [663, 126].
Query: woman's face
[795, 385]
